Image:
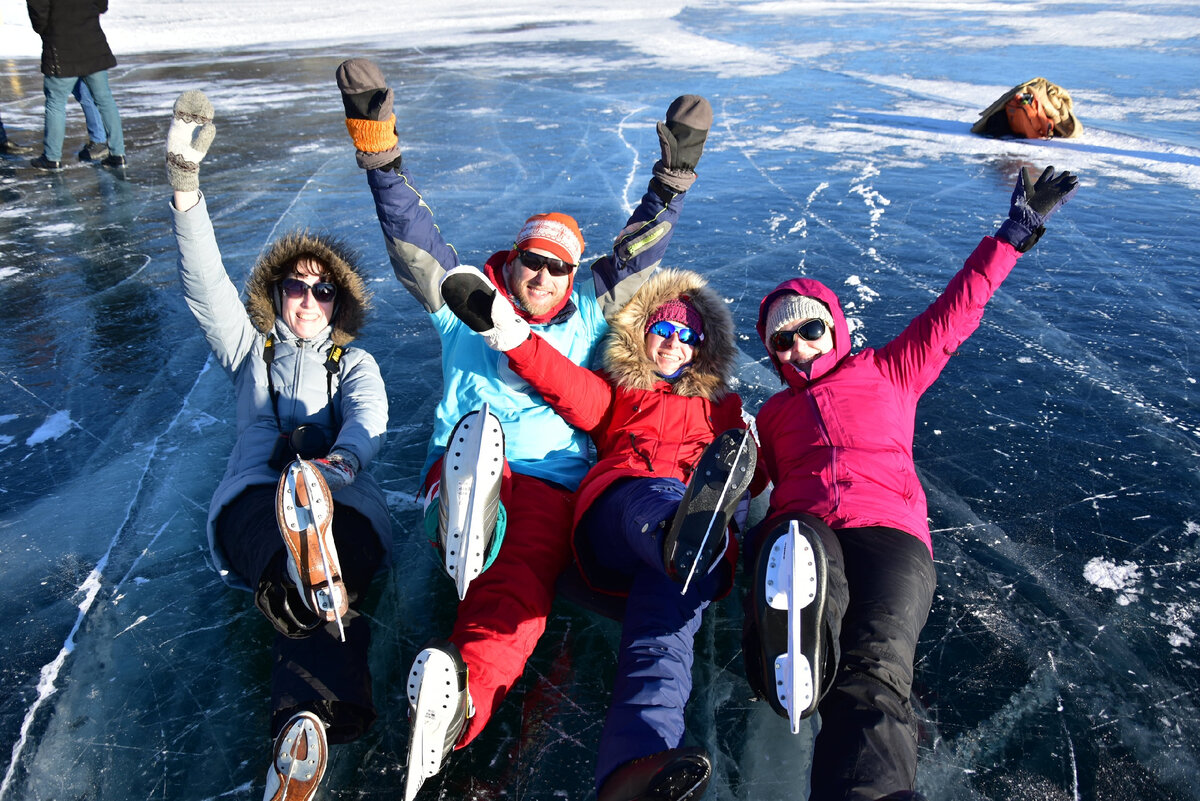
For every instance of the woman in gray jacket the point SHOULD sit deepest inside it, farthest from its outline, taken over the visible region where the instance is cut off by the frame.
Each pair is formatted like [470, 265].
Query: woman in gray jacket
[302, 390]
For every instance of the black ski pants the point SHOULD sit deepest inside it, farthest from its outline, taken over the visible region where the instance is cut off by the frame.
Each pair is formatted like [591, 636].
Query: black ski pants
[867, 746]
[311, 670]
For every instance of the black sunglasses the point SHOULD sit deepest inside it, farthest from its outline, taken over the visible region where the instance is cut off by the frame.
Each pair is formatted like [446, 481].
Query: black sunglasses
[686, 335]
[810, 331]
[537, 262]
[323, 291]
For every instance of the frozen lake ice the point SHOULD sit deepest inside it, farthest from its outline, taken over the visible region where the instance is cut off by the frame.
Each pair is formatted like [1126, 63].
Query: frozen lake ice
[1060, 449]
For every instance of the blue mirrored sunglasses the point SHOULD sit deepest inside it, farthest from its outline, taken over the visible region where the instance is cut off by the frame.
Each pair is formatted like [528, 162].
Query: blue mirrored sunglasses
[686, 335]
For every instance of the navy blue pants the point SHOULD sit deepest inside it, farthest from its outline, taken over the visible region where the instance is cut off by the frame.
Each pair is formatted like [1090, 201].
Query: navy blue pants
[624, 530]
[311, 668]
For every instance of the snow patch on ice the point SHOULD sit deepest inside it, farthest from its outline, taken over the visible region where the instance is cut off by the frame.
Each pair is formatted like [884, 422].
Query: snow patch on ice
[1179, 617]
[864, 292]
[1122, 578]
[54, 427]
[8, 418]
[8, 272]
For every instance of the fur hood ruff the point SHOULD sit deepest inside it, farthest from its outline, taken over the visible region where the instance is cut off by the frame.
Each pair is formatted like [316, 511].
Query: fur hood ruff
[353, 298]
[708, 375]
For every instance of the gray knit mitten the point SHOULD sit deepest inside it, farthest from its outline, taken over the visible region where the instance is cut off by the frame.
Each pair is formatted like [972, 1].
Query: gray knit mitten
[682, 139]
[191, 133]
[369, 118]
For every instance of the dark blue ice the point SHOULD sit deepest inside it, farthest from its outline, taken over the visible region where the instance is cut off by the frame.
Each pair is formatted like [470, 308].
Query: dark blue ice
[1060, 449]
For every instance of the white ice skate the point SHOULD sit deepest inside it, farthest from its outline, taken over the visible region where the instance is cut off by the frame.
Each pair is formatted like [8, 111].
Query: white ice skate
[439, 706]
[790, 586]
[469, 496]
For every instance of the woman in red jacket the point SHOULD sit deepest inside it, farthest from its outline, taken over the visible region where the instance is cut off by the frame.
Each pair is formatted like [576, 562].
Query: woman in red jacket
[643, 513]
[837, 443]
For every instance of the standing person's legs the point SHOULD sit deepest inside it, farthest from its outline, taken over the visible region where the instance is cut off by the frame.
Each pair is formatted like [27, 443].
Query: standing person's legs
[91, 114]
[97, 83]
[867, 746]
[624, 531]
[56, 90]
[504, 612]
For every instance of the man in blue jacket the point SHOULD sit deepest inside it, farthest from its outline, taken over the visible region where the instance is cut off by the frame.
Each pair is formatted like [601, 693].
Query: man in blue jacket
[503, 610]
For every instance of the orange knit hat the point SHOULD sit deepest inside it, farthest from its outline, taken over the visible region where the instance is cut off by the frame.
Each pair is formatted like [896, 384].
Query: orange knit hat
[555, 233]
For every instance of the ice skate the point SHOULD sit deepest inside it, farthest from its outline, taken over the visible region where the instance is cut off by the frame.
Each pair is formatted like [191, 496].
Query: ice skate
[439, 706]
[469, 497]
[789, 600]
[304, 510]
[298, 760]
[679, 774]
[698, 534]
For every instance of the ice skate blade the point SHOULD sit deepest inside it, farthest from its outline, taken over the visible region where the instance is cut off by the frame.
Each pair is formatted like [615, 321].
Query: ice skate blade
[304, 511]
[300, 756]
[435, 698]
[698, 534]
[791, 585]
[470, 495]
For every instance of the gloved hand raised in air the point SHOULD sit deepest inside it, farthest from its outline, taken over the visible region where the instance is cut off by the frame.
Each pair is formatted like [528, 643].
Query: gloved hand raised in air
[1033, 203]
[475, 301]
[369, 118]
[188, 139]
[338, 468]
[681, 138]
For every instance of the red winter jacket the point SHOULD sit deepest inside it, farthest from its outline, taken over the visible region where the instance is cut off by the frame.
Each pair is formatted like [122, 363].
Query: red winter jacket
[643, 426]
[838, 444]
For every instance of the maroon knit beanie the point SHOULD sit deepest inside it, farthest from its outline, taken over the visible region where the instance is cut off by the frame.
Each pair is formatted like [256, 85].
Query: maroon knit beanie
[679, 310]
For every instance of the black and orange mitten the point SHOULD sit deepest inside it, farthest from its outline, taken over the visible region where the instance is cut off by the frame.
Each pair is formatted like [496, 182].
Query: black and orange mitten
[369, 116]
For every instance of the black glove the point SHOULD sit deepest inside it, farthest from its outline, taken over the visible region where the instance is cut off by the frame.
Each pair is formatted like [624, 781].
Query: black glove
[682, 138]
[1032, 205]
[369, 118]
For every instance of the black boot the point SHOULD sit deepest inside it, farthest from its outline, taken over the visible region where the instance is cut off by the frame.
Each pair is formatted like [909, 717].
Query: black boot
[766, 652]
[697, 537]
[679, 774]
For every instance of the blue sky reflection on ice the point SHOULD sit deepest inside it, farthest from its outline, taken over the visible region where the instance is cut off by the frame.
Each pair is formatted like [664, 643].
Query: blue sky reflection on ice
[1059, 449]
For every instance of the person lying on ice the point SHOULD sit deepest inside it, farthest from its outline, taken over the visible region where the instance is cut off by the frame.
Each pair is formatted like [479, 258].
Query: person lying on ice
[502, 610]
[309, 541]
[674, 460]
[838, 444]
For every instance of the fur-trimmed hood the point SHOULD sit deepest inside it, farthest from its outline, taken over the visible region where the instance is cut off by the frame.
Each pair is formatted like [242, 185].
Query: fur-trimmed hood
[625, 357]
[353, 298]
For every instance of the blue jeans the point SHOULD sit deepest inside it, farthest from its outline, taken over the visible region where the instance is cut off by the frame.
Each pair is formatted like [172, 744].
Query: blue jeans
[95, 124]
[57, 90]
[626, 526]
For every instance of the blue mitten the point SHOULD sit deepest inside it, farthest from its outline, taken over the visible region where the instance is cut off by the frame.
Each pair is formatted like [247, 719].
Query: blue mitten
[1034, 202]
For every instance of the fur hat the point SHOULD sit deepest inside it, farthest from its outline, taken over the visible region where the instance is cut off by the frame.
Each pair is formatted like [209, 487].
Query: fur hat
[792, 308]
[679, 310]
[353, 298]
[555, 233]
[709, 373]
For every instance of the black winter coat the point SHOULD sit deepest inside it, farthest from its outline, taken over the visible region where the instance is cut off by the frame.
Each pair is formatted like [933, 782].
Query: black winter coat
[73, 44]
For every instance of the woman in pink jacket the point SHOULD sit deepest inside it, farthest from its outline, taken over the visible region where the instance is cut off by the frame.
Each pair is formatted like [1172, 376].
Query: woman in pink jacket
[837, 443]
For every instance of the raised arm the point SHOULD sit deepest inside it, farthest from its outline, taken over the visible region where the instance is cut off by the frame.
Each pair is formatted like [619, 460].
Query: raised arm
[917, 356]
[210, 295]
[642, 243]
[419, 255]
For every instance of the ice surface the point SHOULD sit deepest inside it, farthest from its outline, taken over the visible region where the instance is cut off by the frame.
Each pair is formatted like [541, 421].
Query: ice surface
[1060, 448]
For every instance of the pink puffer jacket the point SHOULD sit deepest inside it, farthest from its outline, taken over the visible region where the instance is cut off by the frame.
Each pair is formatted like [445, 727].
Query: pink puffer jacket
[838, 444]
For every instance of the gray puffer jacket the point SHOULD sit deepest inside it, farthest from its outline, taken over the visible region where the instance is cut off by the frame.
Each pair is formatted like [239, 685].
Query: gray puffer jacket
[237, 335]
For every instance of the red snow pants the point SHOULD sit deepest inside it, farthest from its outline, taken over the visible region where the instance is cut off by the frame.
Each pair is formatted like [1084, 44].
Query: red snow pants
[504, 614]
